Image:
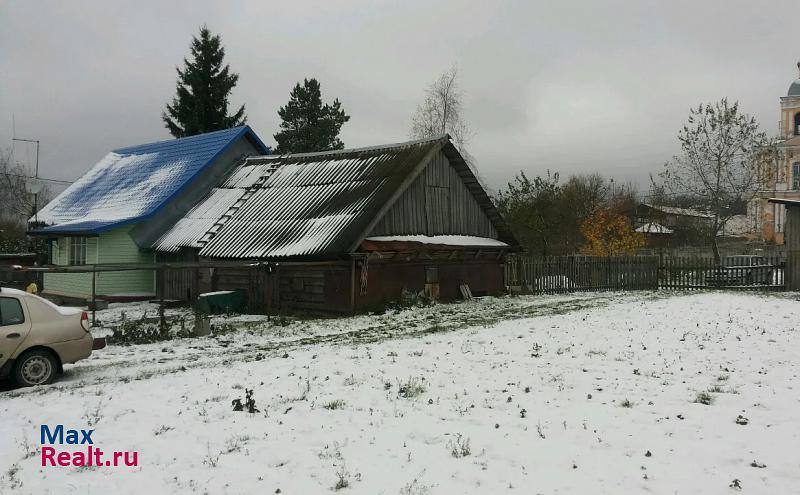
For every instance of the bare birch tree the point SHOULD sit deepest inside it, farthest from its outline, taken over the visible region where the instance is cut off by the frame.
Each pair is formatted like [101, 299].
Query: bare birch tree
[441, 112]
[721, 153]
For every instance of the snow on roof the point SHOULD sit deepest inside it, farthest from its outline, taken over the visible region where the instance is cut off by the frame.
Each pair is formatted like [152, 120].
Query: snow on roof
[448, 240]
[193, 230]
[188, 231]
[673, 210]
[737, 225]
[130, 184]
[653, 228]
[784, 201]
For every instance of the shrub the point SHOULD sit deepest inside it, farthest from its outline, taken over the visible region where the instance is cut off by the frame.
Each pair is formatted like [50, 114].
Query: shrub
[342, 478]
[411, 388]
[223, 329]
[249, 404]
[334, 405]
[142, 331]
[626, 403]
[704, 398]
[281, 321]
[459, 447]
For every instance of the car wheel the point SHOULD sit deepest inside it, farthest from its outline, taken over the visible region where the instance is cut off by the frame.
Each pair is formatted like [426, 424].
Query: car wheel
[35, 367]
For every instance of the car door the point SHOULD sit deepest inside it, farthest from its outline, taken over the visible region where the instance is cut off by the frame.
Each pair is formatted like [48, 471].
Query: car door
[14, 326]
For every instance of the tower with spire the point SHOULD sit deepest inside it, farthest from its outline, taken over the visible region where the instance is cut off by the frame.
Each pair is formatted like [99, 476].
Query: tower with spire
[790, 109]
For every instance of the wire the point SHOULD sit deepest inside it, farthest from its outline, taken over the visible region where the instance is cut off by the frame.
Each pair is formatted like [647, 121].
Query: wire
[39, 178]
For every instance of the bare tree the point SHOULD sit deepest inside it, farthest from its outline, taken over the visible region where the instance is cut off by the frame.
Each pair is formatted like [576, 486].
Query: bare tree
[17, 204]
[441, 112]
[721, 150]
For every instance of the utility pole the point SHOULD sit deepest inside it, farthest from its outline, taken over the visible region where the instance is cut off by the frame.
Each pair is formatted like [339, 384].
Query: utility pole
[34, 187]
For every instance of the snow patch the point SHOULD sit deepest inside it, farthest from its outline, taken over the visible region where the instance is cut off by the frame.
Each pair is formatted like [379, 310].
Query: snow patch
[450, 240]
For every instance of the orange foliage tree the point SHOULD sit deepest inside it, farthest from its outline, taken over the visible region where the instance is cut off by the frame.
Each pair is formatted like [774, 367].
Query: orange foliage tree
[609, 234]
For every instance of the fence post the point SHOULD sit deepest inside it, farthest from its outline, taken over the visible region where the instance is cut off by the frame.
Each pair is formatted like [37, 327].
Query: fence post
[162, 321]
[94, 296]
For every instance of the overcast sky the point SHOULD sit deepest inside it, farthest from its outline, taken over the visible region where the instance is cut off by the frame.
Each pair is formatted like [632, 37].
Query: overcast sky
[574, 87]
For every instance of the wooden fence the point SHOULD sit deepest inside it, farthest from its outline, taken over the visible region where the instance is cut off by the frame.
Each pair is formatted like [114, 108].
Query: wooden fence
[589, 273]
[581, 273]
[734, 272]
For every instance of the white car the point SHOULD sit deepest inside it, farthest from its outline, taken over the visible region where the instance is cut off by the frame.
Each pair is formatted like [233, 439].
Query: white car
[37, 337]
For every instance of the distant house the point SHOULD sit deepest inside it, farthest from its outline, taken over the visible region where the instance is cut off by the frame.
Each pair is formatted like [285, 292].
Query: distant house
[670, 225]
[348, 230]
[115, 211]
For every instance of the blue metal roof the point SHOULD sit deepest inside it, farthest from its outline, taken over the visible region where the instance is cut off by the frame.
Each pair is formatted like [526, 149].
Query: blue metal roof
[131, 184]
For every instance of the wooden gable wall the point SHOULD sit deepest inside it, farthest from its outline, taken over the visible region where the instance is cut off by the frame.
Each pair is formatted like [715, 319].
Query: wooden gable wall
[436, 203]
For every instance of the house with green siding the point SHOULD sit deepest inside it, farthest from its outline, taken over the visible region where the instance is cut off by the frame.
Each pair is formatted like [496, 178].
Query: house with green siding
[117, 210]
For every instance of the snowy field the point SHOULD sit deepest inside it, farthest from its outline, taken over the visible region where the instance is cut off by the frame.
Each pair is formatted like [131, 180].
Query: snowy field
[587, 393]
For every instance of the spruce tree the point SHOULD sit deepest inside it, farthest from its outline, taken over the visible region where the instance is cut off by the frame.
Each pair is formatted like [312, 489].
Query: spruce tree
[306, 124]
[204, 84]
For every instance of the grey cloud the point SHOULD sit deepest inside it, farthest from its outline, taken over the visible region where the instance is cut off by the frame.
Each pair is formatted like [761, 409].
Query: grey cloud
[569, 86]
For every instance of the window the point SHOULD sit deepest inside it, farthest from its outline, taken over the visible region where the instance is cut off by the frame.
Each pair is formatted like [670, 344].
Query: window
[797, 124]
[756, 218]
[77, 250]
[778, 215]
[10, 312]
[796, 175]
[52, 251]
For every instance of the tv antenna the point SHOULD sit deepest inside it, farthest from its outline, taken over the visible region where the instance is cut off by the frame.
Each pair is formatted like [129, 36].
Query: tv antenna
[33, 184]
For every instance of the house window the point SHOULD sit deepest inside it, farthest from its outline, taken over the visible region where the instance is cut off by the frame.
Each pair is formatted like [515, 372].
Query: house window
[797, 124]
[756, 218]
[77, 250]
[778, 215]
[796, 175]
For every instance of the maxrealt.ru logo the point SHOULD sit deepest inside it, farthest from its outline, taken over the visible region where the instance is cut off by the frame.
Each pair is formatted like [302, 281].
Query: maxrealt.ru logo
[91, 456]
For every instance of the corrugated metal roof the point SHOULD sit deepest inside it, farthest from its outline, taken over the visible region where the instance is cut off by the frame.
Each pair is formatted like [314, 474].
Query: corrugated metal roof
[133, 183]
[208, 216]
[319, 204]
[188, 231]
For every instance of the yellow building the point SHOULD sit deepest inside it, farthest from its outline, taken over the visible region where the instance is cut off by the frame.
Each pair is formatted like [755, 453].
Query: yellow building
[769, 218]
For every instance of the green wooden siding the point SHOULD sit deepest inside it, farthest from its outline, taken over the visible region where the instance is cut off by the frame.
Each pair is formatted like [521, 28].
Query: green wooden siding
[115, 246]
[70, 284]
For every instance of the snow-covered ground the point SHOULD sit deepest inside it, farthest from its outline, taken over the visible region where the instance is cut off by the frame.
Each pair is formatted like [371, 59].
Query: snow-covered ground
[588, 393]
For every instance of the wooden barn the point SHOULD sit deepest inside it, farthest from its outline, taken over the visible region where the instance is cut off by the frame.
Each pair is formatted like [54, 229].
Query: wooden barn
[344, 231]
